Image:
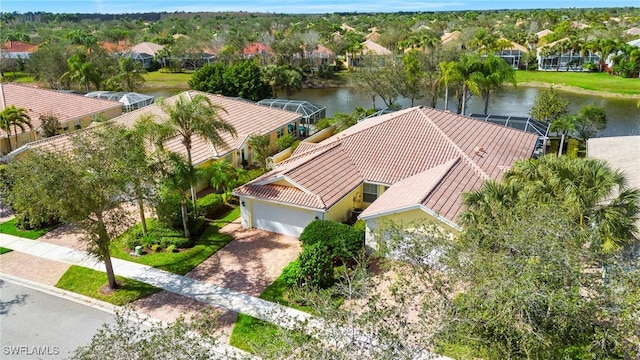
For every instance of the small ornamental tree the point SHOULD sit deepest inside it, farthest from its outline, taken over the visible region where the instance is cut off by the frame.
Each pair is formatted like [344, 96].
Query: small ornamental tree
[549, 105]
[50, 125]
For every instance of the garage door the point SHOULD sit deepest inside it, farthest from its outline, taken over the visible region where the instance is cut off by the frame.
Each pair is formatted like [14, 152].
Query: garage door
[280, 219]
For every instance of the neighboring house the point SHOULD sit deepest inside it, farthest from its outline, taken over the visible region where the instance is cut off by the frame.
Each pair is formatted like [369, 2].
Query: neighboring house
[368, 49]
[633, 31]
[408, 165]
[321, 55]
[73, 111]
[451, 39]
[259, 50]
[542, 33]
[13, 53]
[513, 54]
[247, 118]
[559, 57]
[111, 47]
[144, 53]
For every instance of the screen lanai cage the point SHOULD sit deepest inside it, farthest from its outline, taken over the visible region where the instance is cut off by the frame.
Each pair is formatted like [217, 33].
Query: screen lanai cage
[522, 123]
[310, 113]
[130, 100]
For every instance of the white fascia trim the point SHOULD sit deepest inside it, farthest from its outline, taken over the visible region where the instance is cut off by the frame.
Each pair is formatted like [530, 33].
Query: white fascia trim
[390, 212]
[287, 179]
[414, 207]
[280, 202]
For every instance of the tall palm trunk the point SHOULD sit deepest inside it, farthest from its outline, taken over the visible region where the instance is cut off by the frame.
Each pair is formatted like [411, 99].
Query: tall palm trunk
[561, 144]
[143, 219]
[486, 102]
[185, 218]
[446, 98]
[187, 145]
[464, 98]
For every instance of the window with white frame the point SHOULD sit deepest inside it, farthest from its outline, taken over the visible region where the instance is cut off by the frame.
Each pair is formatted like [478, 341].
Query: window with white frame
[369, 193]
[281, 132]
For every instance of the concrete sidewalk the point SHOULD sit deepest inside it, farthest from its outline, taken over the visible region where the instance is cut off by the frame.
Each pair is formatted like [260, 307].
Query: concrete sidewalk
[195, 289]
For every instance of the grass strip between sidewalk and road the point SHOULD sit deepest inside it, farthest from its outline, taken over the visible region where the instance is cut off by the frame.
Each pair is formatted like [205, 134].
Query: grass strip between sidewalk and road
[10, 228]
[250, 333]
[91, 283]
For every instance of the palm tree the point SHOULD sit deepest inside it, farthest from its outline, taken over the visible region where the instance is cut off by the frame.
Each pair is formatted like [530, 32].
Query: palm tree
[494, 72]
[180, 177]
[468, 68]
[129, 75]
[593, 194]
[565, 125]
[82, 72]
[191, 116]
[14, 117]
[448, 73]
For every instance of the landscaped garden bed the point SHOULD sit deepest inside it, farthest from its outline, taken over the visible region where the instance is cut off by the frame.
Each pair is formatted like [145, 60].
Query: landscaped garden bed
[167, 249]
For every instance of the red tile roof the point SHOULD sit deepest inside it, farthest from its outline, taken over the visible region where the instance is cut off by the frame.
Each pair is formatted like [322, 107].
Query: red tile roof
[246, 117]
[39, 101]
[393, 148]
[19, 47]
[257, 48]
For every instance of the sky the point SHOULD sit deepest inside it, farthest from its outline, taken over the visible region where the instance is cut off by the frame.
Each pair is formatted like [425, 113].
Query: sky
[290, 6]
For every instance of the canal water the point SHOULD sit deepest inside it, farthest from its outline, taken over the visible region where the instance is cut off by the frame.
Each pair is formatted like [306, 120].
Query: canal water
[623, 117]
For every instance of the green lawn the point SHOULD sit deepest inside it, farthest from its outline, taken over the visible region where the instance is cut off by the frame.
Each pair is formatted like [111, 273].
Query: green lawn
[185, 260]
[157, 79]
[9, 227]
[4, 250]
[17, 76]
[583, 80]
[88, 282]
[250, 333]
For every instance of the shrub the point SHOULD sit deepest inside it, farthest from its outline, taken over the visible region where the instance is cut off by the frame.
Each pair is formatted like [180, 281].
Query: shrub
[35, 221]
[344, 241]
[316, 266]
[285, 141]
[170, 215]
[169, 212]
[291, 274]
[171, 248]
[155, 247]
[210, 205]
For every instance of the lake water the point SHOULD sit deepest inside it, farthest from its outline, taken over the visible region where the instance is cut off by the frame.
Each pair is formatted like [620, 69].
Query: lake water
[623, 117]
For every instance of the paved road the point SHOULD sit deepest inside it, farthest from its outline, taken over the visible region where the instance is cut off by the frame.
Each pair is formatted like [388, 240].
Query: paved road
[35, 325]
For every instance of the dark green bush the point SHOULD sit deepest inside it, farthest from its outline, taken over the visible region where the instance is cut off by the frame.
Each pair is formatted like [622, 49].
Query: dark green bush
[169, 212]
[170, 215]
[35, 222]
[345, 242]
[210, 205]
[316, 266]
[291, 274]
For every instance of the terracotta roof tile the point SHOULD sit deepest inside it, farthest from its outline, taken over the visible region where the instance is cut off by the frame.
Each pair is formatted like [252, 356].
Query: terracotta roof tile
[19, 47]
[37, 101]
[246, 117]
[393, 148]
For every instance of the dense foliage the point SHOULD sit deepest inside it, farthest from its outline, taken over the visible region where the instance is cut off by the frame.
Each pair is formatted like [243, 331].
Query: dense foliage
[241, 79]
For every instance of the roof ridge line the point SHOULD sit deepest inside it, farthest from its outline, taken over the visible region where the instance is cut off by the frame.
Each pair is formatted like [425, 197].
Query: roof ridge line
[461, 152]
[437, 184]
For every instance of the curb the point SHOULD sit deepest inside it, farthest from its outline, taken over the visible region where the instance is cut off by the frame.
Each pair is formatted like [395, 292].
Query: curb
[82, 300]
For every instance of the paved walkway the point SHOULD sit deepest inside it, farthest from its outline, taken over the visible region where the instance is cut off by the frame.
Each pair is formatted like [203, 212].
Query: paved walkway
[181, 285]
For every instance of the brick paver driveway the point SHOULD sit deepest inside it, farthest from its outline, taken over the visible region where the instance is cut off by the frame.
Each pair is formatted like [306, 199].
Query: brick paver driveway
[248, 264]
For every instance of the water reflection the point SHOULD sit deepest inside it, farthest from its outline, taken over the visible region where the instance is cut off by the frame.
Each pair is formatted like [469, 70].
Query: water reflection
[622, 114]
